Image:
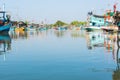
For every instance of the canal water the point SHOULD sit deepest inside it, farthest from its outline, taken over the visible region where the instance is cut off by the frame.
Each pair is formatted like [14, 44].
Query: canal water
[59, 55]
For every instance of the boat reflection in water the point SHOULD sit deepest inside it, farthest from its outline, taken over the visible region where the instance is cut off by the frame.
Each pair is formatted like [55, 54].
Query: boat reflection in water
[18, 34]
[5, 43]
[63, 59]
[116, 73]
[100, 39]
[59, 33]
[94, 39]
[78, 34]
[21, 34]
[111, 42]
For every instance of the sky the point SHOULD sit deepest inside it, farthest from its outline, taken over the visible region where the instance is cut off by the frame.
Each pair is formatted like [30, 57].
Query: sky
[49, 11]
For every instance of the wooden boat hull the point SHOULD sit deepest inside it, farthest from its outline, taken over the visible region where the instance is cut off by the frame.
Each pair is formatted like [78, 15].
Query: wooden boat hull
[92, 28]
[110, 29]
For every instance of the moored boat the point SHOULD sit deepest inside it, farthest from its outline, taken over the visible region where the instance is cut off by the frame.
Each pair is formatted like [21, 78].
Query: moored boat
[5, 22]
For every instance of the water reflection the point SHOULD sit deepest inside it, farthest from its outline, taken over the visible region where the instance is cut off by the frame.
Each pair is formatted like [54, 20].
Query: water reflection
[75, 53]
[78, 34]
[109, 41]
[59, 33]
[5, 43]
[101, 39]
[18, 34]
[94, 39]
[73, 34]
[116, 73]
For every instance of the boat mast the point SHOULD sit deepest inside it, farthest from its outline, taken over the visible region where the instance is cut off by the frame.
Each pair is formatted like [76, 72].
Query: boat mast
[4, 10]
[4, 7]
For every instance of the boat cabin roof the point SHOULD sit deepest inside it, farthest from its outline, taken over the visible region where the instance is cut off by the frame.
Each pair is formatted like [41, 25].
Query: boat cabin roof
[99, 16]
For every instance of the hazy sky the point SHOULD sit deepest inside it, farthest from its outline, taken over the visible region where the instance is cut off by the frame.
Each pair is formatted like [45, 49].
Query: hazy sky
[53, 10]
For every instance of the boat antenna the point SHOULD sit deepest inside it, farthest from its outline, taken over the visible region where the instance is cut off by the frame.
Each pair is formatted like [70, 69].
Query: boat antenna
[4, 7]
[4, 10]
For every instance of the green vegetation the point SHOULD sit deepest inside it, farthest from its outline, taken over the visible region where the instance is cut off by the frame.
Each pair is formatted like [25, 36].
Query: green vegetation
[73, 23]
[78, 23]
[26, 22]
[60, 23]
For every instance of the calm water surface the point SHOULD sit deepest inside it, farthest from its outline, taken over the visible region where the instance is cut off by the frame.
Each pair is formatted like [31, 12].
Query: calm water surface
[59, 55]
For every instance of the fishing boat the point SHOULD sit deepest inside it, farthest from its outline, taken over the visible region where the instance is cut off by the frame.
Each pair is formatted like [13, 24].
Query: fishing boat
[5, 22]
[62, 28]
[107, 22]
[94, 22]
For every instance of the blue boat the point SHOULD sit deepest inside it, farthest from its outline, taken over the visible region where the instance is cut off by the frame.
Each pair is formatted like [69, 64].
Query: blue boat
[5, 22]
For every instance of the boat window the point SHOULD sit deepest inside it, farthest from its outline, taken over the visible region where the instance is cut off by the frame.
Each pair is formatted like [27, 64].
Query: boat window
[93, 24]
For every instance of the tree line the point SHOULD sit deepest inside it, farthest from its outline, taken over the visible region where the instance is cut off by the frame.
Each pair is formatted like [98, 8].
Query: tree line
[73, 23]
[59, 23]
